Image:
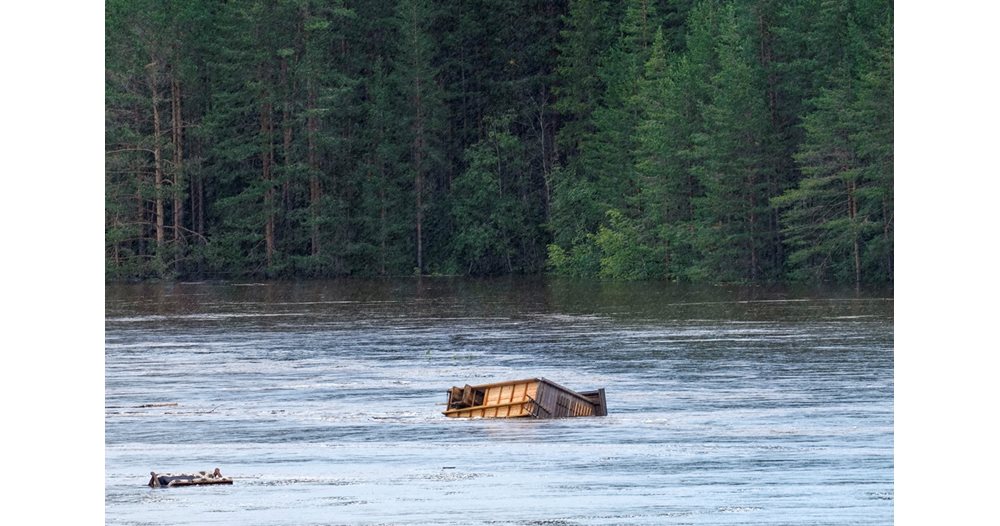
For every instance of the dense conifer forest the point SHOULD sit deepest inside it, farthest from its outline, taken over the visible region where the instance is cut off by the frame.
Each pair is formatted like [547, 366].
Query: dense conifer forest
[691, 140]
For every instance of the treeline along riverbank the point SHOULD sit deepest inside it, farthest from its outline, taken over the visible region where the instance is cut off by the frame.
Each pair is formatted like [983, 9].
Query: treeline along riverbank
[732, 141]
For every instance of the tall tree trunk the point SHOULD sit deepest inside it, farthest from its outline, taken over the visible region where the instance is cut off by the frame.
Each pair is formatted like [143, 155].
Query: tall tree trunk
[383, 182]
[886, 227]
[753, 227]
[193, 205]
[315, 190]
[382, 220]
[766, 57]
[666, 257]
[200, 193]
[267, 162]
[140, 213]
[201, 205]
[286, 124]
[157, 155]
[178, 138]
[545, 166]
[418, 145]
[418, 153]
[773, 185]
[852, 213]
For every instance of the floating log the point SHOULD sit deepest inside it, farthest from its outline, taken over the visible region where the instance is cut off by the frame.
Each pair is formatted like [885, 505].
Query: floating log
[530, 398]
[200, 478]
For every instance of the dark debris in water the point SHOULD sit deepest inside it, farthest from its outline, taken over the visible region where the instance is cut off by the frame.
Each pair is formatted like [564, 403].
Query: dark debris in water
[738, 509]
[343, 501]
[293, 481]
[881, 495]
[450, 476]
[539, 522]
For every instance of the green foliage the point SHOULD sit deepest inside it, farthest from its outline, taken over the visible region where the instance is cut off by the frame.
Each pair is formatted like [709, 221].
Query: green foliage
[386, 245]
[663, 146]
[421, 120]
[838, 220]
[574, 210]
[702, 140]
[613, 252]
[489, 217]
[623, 257]
[736, 163]
[582, 261]
[586, 36]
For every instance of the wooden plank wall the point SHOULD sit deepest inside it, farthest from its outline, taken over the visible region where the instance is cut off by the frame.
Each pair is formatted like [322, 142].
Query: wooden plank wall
[599, 399]
[557, 403]
[511, 400]
[508, 394]
[514, 399]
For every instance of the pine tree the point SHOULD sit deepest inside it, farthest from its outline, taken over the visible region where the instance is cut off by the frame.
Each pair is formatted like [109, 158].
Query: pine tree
[664, 199]
[327, 85]
[148, 47]
[873, 141]
[386, 225]
[585, 36]
[736, 157]
[601, 177]
[574, 209]
[241, 130]
[416, 74]
[838, 220]
[821, 224]
[633, 140]
[606, 154]
[666, 159]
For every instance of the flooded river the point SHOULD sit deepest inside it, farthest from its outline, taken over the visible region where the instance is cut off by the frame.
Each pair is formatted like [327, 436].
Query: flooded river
[323, 401]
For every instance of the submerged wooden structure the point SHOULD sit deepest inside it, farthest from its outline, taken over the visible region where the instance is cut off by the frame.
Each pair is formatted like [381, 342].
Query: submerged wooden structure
[529, 398]
[200, 478]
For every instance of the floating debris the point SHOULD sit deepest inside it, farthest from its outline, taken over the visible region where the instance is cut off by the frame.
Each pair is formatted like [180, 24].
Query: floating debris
[200, 478]
[530, 398]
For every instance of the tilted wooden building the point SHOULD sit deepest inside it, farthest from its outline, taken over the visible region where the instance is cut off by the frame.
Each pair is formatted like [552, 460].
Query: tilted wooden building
[530, 398]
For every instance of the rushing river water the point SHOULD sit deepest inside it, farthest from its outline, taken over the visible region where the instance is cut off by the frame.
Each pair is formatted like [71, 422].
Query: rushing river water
[323, 401]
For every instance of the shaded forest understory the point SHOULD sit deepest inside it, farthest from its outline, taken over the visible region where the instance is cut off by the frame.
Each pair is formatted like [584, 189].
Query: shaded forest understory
[707, 140]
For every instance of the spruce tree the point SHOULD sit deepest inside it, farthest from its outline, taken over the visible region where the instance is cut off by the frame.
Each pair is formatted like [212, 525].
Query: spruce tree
[821, 221]
[663, 143]
[640, 139]
[838, 220]
[601, 177]
[240, 128]
[415, 72]
[584, 37]
[575, 210]
[873, 141]
[735, 159]
[386, 234]
[606, 154]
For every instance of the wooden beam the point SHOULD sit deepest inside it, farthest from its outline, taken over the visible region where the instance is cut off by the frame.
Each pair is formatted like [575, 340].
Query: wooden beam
[483, 407]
